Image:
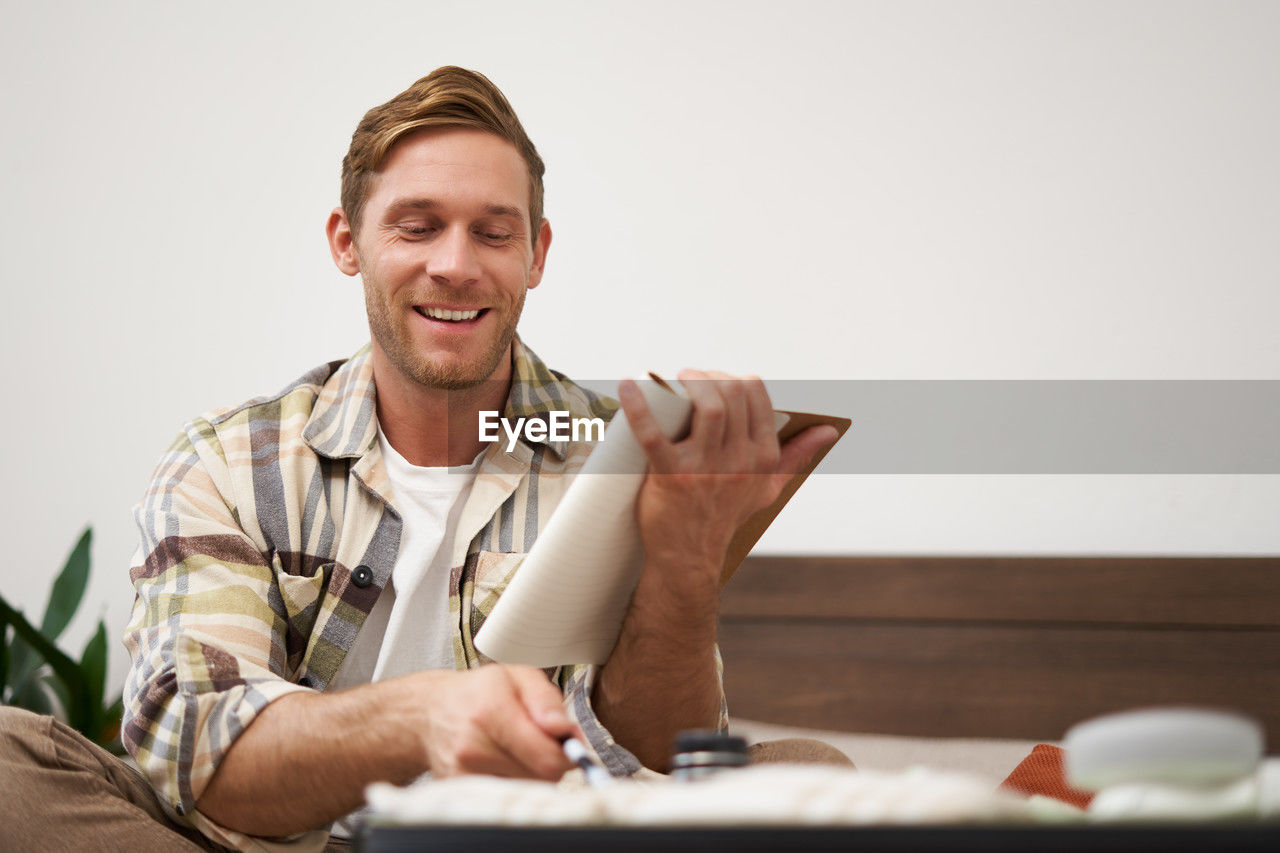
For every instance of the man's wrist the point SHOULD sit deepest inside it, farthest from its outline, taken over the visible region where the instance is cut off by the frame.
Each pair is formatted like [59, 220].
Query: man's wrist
[683, 594]
[400, 706]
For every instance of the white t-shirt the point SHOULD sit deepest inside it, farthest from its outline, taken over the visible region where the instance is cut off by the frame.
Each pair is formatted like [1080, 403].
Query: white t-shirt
[409, 629]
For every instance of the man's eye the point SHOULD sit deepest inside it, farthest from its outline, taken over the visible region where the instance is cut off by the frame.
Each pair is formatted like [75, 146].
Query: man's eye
[415, 230]
[495, 236]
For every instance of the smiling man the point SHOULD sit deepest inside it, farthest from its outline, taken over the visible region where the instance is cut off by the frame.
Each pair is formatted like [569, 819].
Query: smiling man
[314, 564]
[447, 247]
[456, 200]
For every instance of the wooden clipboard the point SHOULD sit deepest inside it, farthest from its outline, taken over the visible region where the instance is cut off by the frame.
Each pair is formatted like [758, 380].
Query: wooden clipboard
[758, 522]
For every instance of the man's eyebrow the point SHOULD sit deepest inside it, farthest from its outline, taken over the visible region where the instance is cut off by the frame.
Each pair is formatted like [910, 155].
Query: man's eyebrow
[412, 204]
[504, 210]
[431, 204]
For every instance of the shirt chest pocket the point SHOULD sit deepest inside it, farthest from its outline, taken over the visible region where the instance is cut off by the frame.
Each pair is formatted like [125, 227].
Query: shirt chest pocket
[301, 593]
[484, 578]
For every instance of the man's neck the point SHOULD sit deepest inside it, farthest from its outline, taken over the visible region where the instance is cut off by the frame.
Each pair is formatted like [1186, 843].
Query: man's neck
[435, 427]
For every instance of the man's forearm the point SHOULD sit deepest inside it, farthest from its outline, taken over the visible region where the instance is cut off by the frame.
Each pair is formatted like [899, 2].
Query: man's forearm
[661, 676]
[306, 759]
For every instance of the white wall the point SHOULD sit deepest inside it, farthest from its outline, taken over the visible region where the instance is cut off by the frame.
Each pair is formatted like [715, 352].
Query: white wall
[805, 190]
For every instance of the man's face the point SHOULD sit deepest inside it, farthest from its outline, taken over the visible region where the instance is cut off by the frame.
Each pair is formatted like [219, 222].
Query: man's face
[446, 253]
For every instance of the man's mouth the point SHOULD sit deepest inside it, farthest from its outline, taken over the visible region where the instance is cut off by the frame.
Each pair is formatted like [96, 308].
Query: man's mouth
[449, 315]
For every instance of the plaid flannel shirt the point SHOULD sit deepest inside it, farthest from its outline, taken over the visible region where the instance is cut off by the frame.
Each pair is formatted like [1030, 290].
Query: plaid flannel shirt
[251, 529]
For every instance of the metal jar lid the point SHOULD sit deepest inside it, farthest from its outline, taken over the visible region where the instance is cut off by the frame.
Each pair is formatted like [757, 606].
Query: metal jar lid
[699, 751]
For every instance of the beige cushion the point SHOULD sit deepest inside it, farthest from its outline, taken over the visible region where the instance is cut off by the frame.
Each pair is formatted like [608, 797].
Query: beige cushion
[989, 757]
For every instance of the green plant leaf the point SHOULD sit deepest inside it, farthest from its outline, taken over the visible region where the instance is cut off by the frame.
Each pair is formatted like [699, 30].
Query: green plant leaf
[39, 694]
[68, 589]
[21, 660]
[111, 720]
[79, 712]
[4, 657]
[46, 678]
[93, 663]
[64, 599]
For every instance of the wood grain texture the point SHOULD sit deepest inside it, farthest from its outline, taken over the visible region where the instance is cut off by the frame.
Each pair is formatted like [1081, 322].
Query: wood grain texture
[1000, 647]
[1227, 591]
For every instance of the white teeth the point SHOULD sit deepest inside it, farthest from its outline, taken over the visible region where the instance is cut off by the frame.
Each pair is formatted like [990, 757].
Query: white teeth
[453, 316]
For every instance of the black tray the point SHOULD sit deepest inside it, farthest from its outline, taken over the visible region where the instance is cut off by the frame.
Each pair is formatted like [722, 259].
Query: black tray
[952, 839]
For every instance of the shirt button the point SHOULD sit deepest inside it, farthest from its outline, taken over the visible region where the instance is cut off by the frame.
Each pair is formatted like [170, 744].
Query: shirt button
[362, 576]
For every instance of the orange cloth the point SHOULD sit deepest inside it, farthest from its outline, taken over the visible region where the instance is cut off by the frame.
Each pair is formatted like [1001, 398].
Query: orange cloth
[1042, 773]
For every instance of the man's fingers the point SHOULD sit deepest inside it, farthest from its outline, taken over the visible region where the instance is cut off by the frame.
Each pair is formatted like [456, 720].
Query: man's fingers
[543, 701]
[800, 449]
[737, 423]
[709, 410]
[486, 757]
[531, 731]
[643, 425]
[761, 409]
[531, 749]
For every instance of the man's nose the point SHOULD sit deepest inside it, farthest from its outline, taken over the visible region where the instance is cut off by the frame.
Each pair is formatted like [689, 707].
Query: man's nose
[453, 259]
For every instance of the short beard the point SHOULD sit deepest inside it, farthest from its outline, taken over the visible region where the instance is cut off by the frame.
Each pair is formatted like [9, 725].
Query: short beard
[446, 377]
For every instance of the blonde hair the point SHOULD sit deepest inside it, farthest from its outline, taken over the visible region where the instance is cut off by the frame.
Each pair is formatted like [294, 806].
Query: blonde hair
[447, 97]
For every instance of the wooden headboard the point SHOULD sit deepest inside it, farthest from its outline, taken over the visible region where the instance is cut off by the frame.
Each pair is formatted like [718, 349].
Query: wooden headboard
[997, 647]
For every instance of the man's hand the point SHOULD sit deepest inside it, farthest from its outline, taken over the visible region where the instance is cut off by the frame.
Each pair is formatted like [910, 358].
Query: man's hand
[661, 675]
[497, 720]
[702, 488]
[323, 749]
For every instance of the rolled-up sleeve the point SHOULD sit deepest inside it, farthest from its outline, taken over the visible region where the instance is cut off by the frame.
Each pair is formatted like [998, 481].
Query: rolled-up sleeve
[577, 682]
[206, 634]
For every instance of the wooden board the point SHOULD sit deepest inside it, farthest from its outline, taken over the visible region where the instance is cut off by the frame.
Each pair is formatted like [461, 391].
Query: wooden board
[997, 647]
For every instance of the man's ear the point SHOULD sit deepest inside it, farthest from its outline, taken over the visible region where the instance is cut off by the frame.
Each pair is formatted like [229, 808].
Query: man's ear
[540, 254]
[342, 242]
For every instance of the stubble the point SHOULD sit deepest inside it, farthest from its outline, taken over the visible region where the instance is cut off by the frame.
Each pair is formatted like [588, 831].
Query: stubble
[389, 327]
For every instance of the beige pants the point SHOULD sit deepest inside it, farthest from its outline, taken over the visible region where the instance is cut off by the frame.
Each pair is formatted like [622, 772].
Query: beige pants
[60, 792]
